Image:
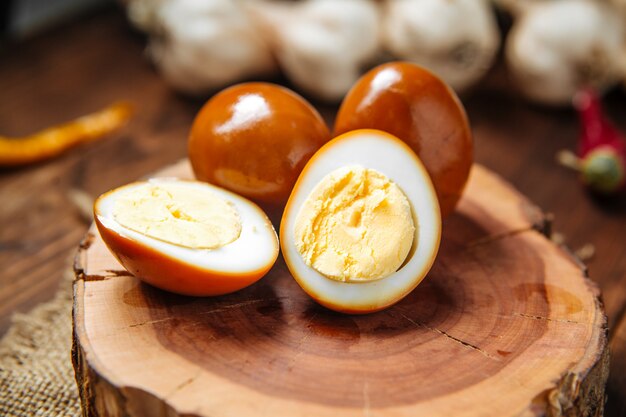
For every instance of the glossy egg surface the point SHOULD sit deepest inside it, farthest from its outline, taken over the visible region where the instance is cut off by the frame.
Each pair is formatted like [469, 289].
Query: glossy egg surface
[185, 270]
[411, 103]
[254, 139]
[391, 157]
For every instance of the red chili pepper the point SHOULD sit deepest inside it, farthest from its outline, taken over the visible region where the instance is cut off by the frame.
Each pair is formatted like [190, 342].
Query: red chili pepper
[601, 156]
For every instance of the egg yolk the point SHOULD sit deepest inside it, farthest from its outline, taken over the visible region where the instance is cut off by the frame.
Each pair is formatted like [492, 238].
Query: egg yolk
[180, 215]
[355, 225]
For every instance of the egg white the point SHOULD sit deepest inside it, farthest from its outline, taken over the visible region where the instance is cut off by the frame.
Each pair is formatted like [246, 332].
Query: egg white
[255, 249]
[392, 157]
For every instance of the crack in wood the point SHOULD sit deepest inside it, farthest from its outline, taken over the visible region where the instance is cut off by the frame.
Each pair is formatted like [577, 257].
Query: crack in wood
[535, 317]
[95, 277]
[143, 323]
[213, 311]
[118, 273]
[497, 236]
[109, 274]
[241, 304]
[182, 385]
[454, 339]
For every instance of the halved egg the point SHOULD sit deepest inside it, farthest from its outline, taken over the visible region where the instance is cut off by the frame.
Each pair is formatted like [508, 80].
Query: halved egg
[187, 237]
[362, 226]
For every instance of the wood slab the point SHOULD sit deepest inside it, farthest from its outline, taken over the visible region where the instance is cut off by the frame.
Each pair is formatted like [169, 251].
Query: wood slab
[506, 324]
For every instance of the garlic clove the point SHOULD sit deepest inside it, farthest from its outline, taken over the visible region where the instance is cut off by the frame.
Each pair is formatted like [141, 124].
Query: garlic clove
[203, 45]
[456, 39]
[321, 45]
[556, 48]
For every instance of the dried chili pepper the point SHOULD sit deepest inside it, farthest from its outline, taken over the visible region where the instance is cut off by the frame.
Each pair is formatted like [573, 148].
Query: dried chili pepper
[51, 142]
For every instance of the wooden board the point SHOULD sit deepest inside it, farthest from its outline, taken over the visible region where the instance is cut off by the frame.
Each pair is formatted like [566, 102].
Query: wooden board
[506, 324]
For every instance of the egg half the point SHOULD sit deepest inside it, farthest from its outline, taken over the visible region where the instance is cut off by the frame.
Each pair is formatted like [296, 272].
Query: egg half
[187, 237]
[362, 226]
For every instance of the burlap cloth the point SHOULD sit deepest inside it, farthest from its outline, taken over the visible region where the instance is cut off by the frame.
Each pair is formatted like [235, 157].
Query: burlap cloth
[36, 375]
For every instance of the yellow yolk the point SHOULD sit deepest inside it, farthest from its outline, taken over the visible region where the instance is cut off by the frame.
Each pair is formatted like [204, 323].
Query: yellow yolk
[179, 214]
[356, 225]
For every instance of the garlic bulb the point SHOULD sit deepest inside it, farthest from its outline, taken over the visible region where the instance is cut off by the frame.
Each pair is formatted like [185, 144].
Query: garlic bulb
[322, 45]
[203, 45]
[557, 47]
[456, 39]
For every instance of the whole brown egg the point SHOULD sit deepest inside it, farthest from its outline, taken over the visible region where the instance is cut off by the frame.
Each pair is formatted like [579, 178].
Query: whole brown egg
[254, 139]
[413, 104]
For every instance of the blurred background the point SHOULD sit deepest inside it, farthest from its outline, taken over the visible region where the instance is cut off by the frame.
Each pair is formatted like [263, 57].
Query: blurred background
[517, 65]
[21, 18]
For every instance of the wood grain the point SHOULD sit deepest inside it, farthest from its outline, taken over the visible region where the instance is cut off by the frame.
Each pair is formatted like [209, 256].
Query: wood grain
[97, 59]
[505, 314]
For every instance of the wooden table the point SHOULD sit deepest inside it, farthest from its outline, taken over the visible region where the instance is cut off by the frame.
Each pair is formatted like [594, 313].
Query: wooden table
[90, 63]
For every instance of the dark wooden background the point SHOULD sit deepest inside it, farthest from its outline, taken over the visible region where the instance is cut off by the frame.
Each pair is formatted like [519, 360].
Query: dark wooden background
[96, 60]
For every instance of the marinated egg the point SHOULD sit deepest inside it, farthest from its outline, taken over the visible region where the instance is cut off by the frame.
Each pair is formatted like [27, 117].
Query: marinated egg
[187, 237]
[362, 226]
[254, 139]
[413, 104]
